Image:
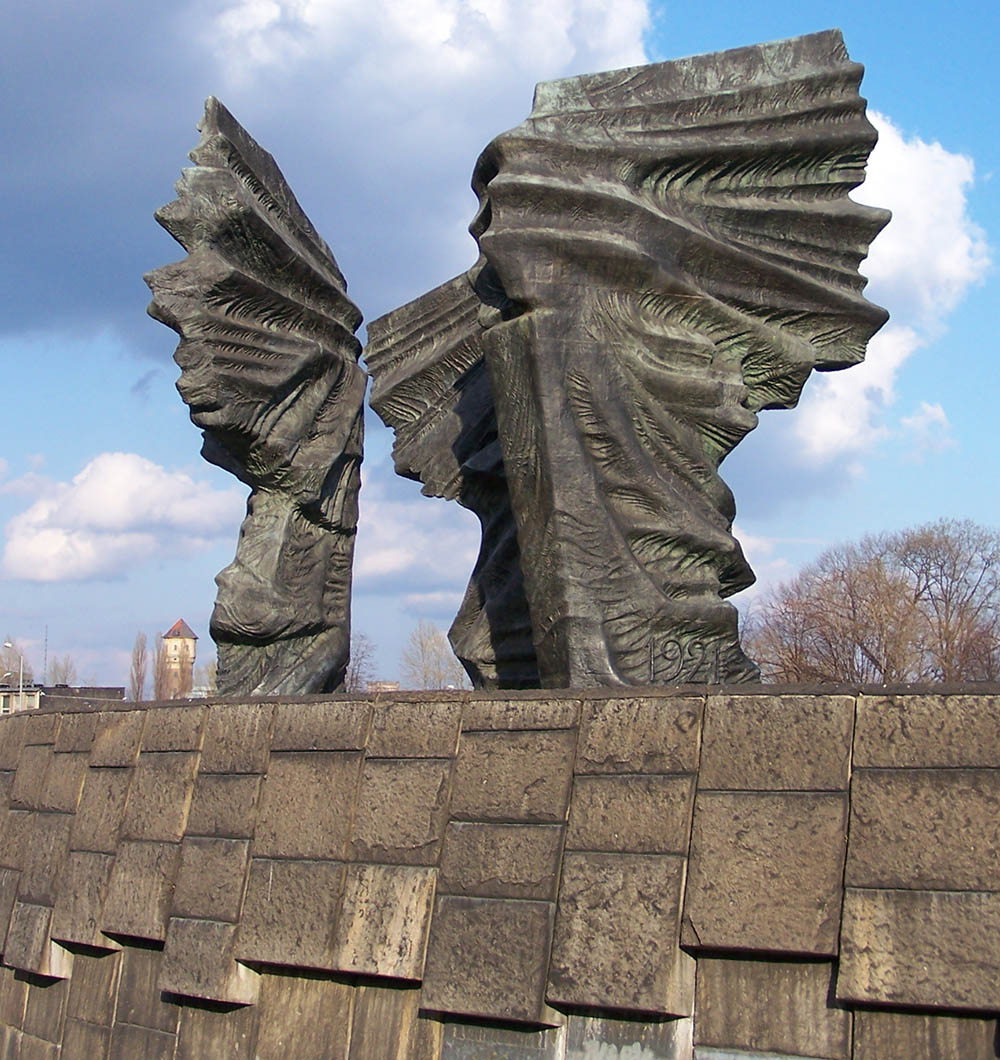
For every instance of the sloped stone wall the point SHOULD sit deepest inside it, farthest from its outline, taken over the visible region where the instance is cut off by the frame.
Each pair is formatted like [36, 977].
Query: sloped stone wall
[688, 875]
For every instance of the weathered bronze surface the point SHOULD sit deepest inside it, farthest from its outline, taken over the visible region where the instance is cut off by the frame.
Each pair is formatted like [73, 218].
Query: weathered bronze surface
[665, 251]
[269, 370]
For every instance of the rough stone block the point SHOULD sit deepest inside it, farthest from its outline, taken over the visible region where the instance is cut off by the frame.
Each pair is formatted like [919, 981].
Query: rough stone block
[237, 738]
[29, 946]
[64, 782]
[907, 731]
[78, 911]
[13, 997]
[936, 949]
[14, 837]
[766, 872]
[328, 725]
[402, 810]
[501, 860]
[208, 1032]
[479, 1041]
[129, 1041]
[224, 805]
[631, 814]
[76, 732]
[290, 912]
[650, 735]
[198, 962]
[32, 1048]
[616, 946]
[513, 776]
[773, 1006]
[139, 1000]
[776, 743]
[116, 742]
[303, 1015]
[44, 857]
[12, 733]
[385, 1023]
[138, 898]
[86, 1040]
[513, 714]
[159, 796]
[41, 727]
[94, 987]
[211, 878]
[97, 823]
[9, 881]
[384, 920]
[597, 1037]
[421, 729]
[912, 1035]
[29, 781]
[933, 829]
[173, 728]
[45, 1011]
[488, 957]
[306, 805]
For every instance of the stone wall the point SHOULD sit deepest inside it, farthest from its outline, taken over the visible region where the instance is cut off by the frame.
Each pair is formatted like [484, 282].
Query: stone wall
[667, 876]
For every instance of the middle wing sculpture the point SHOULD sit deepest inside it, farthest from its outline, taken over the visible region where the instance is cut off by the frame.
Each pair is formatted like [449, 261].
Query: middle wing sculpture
[665, 251]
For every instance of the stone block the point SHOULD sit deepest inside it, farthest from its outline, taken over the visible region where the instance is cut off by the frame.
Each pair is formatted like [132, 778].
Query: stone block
[139, 1000]
[32, 1048]
[631, 814]
[14, 837]
[766, 872]
[772, 1006]
[9, 881]
[934, 949]
[159, 796]
[138, 898]
[513, 776]
[303, 1016]
[514, 714]
[599, 1037]
[64, 782]
[483, 1041]
[29, 946]
[28, 788]
[198, 962]
[211, 878]
[290, 912]
[13, 997]
[385, 1022]
[932, 829]
[944, 731]
[776, 743]
[616, 942]
[76, 732]
[44, 857]
[12, 732]
[487, 958]
[205, 1032]
[45, 1011]
[117, 739]
[173, 728]
[325, 725]
[402, 729]
[384, 920]
[237, 738]
[86, 1040]
[94, 987]
[78, 911]
[501, 860]
[129, 1042]
[41, 727]
[912, 1035]
[643, 735]
[224, 805]
[306, 805]
[402, 810]
[97, 823]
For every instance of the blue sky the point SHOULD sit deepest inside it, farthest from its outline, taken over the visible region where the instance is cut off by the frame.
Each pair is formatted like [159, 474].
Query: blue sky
[111, 523]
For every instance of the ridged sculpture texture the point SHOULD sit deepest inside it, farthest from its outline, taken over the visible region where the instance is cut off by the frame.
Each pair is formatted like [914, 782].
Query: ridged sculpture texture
[269, 369]
[664, 252]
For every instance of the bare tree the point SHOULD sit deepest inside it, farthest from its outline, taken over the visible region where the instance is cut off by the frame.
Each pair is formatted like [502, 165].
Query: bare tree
[62, 670]
[919, 605]
[206, 677]
[428, 661]
[361, 666]
[161, 673]
[139, 668]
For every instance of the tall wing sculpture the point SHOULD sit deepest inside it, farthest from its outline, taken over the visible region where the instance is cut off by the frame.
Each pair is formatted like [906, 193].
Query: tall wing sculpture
[665, 251]
[269, 370]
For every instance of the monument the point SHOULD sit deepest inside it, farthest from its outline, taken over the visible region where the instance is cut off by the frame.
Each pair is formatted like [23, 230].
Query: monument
[269, 370]
[664, 252]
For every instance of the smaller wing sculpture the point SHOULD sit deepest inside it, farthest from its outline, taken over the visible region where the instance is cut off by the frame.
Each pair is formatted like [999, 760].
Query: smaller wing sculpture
[269, 370]
[665, 251]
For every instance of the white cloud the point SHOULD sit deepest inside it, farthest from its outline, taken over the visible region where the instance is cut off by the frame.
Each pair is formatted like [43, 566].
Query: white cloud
[928, 430]
[119, 511]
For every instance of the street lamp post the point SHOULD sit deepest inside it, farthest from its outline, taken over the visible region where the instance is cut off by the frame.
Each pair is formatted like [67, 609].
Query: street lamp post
[20, 675]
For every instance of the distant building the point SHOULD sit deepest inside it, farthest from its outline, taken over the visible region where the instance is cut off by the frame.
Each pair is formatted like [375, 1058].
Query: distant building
[179, 648]
[34, 696]
[382, 686]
